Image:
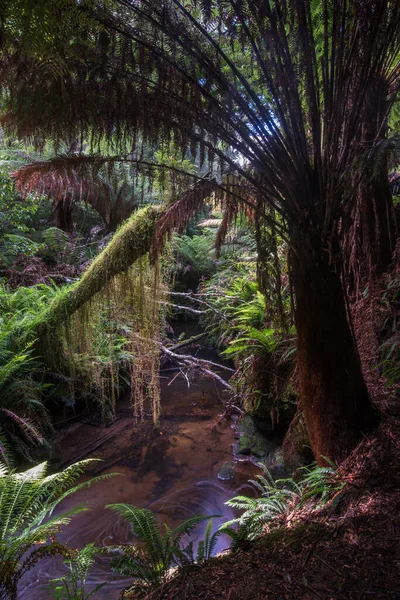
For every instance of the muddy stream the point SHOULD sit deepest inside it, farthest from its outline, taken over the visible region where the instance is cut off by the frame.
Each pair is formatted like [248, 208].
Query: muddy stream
[174, 472]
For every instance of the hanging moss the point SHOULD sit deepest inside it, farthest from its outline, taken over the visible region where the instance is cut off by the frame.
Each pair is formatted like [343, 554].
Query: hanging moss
[131, 242]
[122, 284]
[118, 328]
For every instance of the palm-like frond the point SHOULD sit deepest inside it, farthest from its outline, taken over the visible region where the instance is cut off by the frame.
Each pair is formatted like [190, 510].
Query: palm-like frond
[27, 503]
[180, 77]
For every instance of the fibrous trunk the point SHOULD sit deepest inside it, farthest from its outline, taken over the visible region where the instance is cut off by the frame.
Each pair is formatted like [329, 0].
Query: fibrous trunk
[336, 404]
[62, 215]
[371, 231]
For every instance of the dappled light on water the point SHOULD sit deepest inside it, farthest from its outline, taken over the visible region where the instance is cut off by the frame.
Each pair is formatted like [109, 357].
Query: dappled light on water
[172, 471]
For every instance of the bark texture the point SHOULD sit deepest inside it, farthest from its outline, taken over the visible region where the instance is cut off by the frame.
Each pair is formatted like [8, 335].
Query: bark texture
[337, 407]
[371, 233]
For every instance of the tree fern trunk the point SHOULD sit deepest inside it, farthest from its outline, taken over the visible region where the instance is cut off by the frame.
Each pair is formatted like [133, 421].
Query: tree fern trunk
[62, 215]
[336, 404]
[370, 238]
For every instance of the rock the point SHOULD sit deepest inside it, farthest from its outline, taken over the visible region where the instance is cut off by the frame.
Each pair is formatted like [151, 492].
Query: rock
[227, 471]
[245, 444]
[252, 441]
[276, 465]
[246, 425]
[296, 445]
[261, 445]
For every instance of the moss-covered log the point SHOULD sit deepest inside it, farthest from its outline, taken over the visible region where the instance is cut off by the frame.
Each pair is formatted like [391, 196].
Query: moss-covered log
[131, 242]
[144, 233]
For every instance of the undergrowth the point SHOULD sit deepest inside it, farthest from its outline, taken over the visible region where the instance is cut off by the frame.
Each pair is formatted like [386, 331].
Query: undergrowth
[154, 554]
[28, 525]
[279, 500]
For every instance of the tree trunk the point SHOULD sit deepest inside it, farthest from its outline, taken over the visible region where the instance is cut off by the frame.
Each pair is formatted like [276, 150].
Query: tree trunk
[336, 404]
[376, 236]
[62, 215]
[371, 238]
[133, 241]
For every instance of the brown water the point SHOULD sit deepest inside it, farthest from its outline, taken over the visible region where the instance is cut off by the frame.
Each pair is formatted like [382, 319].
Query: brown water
[173, 472]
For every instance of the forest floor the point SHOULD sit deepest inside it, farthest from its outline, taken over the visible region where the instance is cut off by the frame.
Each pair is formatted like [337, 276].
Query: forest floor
[347, 550]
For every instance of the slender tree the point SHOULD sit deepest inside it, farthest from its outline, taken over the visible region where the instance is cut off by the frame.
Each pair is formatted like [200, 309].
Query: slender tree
[274, 90]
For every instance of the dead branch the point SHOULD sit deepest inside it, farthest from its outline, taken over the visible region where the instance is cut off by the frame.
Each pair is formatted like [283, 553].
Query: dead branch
[195, 298]
[192, 362]
[187, 308]
[191, 340]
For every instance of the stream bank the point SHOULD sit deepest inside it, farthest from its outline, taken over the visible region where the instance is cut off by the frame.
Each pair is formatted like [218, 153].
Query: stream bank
[176, 471]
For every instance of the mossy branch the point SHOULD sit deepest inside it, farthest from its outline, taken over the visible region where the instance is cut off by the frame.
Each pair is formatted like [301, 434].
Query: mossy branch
[131, 242]
[144, 233]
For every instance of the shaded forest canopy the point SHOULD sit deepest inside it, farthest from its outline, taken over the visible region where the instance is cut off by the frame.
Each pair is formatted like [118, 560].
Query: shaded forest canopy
[236, 161]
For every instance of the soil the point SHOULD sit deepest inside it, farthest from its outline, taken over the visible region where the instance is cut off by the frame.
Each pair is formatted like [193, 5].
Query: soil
[348, 551]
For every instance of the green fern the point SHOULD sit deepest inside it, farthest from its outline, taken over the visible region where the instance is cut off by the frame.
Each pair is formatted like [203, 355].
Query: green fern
[254, 341]
[11, 245]
[24, 418]
[319, 483]
[151, 559]
[195, 254]
[25, 422]
[28, 525]
[277, 499]
[55, 241]
[72, 586]
[205, 548]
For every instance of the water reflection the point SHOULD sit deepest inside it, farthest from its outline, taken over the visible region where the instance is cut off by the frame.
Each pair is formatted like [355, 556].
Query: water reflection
[174, 473]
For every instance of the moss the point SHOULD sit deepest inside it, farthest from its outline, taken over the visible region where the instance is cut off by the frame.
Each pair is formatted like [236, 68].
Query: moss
[252, 441]
[78, 333]
[227, 471]
[246, 425]
[130, 243]
[245, 443]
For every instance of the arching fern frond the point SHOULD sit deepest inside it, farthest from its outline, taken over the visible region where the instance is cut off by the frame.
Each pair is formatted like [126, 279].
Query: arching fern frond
[27, 502]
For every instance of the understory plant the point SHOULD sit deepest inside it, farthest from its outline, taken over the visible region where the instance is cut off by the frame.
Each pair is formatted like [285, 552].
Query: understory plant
[28, 525]
[389, 350]
[195, 255]
[72, 586]
[154, 554]
[279, 499]
[239, 321]
[83, 356]
[25, 424]
[16, 215]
